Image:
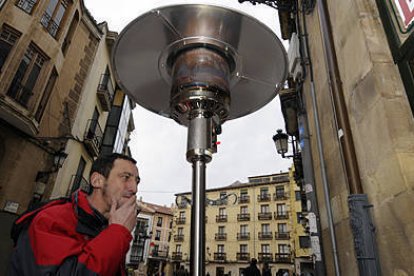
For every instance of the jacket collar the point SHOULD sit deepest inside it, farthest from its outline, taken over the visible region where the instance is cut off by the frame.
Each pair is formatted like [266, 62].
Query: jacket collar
[90, 221]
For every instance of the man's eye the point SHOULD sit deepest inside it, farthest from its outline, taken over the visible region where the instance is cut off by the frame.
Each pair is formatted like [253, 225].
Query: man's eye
[125, 177]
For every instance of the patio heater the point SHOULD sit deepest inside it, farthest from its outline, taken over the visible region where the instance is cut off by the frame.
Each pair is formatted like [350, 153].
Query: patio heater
[200, 65]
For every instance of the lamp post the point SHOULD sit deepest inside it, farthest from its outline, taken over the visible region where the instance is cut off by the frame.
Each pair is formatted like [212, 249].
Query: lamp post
[302, 164]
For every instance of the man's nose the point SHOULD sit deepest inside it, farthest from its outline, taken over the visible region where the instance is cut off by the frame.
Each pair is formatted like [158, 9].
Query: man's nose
[132, 186]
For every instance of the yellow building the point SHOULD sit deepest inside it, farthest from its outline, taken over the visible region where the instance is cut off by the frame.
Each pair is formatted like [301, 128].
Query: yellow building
[257, 219]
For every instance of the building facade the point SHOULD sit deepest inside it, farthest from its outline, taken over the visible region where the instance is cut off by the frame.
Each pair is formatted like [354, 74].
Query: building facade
[351, 66]
[148, 254]
[258, 219]
[57, 94]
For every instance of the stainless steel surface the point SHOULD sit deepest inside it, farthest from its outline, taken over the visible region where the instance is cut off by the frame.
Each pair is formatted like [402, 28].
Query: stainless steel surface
[144, 50]
[198, 214]
[199, 139]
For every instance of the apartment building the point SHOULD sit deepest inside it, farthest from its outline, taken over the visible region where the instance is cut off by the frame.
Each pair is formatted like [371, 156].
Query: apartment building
[150, 247]
[57, 97]
[258, 219]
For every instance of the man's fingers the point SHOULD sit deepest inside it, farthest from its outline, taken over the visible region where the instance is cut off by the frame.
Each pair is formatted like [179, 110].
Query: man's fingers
[113, 206]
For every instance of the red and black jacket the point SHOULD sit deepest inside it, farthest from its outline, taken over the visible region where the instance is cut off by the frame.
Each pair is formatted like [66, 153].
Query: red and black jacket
[68, 237]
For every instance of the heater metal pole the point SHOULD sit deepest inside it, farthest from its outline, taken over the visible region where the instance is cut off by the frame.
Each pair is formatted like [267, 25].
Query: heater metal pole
[199, 152]
[197, 252]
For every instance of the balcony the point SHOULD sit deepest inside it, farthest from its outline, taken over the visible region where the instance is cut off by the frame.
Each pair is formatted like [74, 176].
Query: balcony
[220, 236]
[265, 257]
[265, 235]
[179, 237]
[243, 217]
[105, 92]
[283, 258]
[265, 216]
[263, 197]
[134, 259]
[180, 220]
[280, 196]
[282, 235]
[18, 115]
[182, 205]
[76, 182]
[221, 218]
[177, 256]
[93, 137]
[244, 199]
[243, 256]
[281, 215]
[220, 256]
[159, 254]
[243, 236]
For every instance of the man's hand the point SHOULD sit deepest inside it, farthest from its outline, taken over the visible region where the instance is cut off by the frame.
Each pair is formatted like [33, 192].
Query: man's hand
[126, 214]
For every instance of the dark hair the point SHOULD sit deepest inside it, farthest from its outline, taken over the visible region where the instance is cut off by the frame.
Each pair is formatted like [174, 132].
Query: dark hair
[104, 163]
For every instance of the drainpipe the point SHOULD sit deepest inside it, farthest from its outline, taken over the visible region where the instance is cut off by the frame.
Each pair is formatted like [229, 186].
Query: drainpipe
[308, 173]
[361, 222]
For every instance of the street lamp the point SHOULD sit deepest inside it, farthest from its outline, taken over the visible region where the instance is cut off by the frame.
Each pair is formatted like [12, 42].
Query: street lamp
[281, 142]
[59, 158]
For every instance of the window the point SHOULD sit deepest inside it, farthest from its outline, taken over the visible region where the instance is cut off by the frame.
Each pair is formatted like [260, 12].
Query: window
[244, 229]
[157, 235]
[283, 249]
[265, 248]
[243, 248]
[182, 215]
[178, 248]
[169, 236]
[8, 38]
[264, 191]
[244, 210]
[26, 76]
[264, 208]
[159, 222]
[280, 192]
[220, 248]
[281, 209]
[180, 231]
[52, 18]
[221, 230]
[71, 32]
[304, 242]
[123, 126]
[46, 95]
[26, 5]
[298, 195]
[282, 227]
[266, 228]
[222, 212]
[171, 224]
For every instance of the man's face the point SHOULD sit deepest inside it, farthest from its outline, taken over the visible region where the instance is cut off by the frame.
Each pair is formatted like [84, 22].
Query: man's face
[122, 182]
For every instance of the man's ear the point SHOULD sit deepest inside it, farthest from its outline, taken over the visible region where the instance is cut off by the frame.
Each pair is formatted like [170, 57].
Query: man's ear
[97, 180]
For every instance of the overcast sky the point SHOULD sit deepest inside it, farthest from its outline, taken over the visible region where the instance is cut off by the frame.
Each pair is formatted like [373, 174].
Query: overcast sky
[159, 144]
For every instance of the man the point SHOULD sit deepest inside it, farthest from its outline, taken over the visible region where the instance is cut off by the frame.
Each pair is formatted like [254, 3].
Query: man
[252, 270]
[84, 235]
